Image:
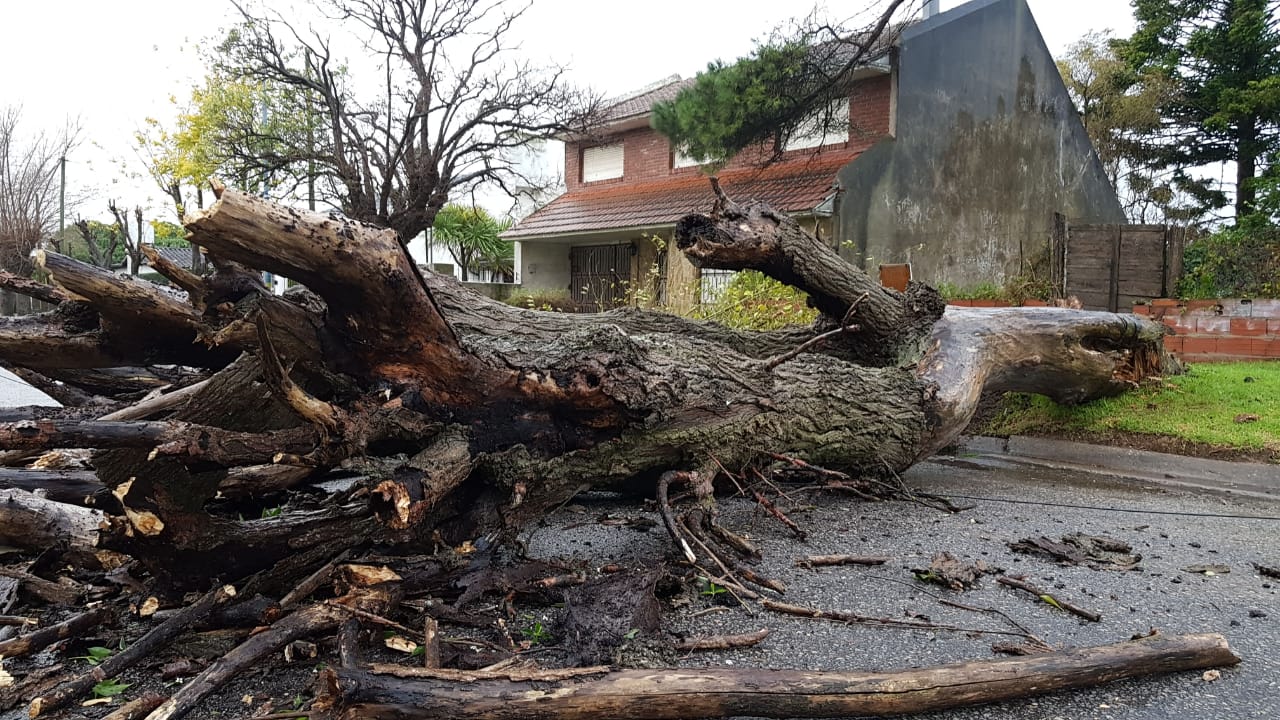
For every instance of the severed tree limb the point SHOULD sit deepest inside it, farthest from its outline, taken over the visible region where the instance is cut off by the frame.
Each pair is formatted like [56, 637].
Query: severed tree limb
[752, 236]
[855, 618]
[61, 486]
[409, 694]
[155, 405]
[146, 646]
[367, 280]
[54, 593]
[311, 620]
[349, 643]
[323, 415]
[131, 303]
[51, 294]
[136, 709]
[30, 521]
[64, 393]
[183, 278]
[44, 637]
[167, 438]
[1070, 356]
[830, 560]
[1049, 598]
[55, 340]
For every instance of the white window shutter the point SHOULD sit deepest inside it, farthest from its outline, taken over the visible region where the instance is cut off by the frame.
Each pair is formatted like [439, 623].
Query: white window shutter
[810, 133]
[602, 162]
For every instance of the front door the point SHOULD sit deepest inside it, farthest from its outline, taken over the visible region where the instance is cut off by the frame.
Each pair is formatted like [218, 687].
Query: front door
[599, 276]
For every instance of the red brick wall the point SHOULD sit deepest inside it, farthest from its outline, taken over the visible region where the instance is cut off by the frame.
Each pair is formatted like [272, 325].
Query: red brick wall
[1219, 330]
[647, 155]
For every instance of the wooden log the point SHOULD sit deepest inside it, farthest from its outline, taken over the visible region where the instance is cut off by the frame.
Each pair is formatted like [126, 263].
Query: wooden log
[384, 692]
[67, 395]
[314, 619]
[29, 521]
[169, 438]
[44, 637]
[368, 281]
[136, 709]
[126, 300]
[26, 286]
[61, 486]
[1069, 356]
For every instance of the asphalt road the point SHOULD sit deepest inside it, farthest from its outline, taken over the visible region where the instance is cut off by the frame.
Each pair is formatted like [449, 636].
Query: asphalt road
[1171, 527]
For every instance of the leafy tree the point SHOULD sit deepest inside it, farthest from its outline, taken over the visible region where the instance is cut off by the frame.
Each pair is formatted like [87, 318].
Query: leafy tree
[471, 236]
[169, 234]
[447, 101]
[99, 244]
[784, 88]
[1223, 58]
[247, 133]
[1120, 109]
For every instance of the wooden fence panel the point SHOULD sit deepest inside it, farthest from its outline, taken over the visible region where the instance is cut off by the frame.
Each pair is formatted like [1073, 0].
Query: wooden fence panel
[1109, 267]
[12, 303]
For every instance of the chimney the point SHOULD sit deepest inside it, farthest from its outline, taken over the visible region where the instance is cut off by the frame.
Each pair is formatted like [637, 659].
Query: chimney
[930, 8]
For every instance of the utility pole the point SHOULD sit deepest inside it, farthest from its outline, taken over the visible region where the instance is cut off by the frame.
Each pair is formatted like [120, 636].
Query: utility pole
[62, 206]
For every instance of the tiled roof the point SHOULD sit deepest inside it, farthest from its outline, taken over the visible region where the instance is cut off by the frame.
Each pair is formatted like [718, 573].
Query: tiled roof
[641, 103]
[791, 186]
[180, 256]
[831, 55]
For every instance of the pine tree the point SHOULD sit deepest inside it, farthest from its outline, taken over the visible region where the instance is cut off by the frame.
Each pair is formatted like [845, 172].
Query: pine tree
[1223, 57]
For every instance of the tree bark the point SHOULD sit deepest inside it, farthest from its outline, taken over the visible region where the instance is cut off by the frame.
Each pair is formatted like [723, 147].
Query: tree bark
[504, 412]
[27, 520]
[387, 691]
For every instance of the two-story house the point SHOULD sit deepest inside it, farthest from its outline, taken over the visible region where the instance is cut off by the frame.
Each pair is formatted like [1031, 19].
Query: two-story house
[962, 142]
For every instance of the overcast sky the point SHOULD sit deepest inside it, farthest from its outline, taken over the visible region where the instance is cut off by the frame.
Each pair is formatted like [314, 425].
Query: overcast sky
[113, 64]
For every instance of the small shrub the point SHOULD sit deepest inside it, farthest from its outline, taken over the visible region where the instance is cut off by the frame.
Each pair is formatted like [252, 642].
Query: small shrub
[545, 300]
[981, 291]
[1240, 261]
[753, 301]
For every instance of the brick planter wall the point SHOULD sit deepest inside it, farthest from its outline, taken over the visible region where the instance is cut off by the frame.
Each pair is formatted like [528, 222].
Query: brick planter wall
[1219, 330]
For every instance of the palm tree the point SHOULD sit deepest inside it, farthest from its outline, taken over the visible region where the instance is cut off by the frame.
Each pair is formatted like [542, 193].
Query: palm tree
[471, 235]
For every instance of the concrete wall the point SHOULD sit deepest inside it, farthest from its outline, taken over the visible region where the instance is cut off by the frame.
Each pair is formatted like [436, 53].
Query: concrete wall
[544, 266]
[986, 147]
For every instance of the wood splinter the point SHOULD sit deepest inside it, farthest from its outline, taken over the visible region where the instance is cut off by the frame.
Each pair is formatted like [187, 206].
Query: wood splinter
[723, 642]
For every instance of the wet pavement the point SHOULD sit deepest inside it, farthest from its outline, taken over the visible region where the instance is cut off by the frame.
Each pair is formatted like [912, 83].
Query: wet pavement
[1172, 526]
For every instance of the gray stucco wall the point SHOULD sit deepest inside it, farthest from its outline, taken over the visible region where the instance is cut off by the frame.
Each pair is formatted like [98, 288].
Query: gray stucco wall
[987, 147]
[544, 266]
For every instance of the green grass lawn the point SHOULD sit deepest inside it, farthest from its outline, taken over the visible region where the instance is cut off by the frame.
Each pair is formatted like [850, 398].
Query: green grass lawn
[1201, 406]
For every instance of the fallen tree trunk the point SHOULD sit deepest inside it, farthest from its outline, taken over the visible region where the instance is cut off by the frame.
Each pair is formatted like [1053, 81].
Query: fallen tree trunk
[503, 412]
[422, 416]
[383, 692]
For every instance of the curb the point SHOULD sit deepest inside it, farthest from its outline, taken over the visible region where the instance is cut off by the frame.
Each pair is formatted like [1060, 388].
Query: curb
[1255, 480]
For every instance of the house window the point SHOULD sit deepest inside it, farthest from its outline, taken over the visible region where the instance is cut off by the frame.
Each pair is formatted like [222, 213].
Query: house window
[680, 158]
[602, 162]
[812, 134]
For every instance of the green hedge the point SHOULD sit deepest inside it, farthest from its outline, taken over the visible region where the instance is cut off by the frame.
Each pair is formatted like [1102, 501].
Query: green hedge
[1240, 261]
